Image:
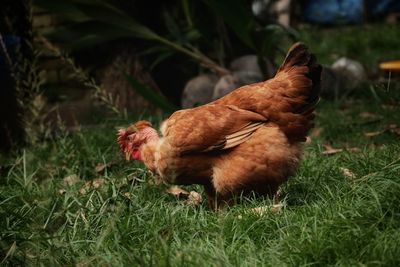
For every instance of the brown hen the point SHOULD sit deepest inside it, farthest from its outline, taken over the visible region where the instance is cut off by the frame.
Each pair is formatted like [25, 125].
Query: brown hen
[248, 141]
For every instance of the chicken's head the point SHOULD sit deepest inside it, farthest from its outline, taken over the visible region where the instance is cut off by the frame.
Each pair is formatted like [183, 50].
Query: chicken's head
[132, 139]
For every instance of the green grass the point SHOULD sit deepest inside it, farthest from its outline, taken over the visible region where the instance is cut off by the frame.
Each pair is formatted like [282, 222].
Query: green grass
[369, 44]
[329, 219]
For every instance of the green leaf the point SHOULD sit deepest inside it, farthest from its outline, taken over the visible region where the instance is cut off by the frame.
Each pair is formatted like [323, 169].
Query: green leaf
[66, 9]
[100, 11]
[192, 35]
[84, 29]
[172, 25]
[187, 11]
[161, 57]
[149, 94]
[119, 19]
[89, 41]
[155, 49]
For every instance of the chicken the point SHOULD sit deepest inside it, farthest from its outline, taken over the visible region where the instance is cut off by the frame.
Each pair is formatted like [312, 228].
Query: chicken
[247, 141]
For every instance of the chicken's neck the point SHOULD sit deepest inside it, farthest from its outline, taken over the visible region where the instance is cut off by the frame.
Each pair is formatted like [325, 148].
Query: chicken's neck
[150, 135]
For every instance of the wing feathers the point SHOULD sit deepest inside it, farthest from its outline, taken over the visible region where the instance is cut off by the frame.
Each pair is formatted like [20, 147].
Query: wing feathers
[236, 138]
[210, 128]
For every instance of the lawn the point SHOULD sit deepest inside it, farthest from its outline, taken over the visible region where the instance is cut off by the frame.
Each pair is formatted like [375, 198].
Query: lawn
[343, 208]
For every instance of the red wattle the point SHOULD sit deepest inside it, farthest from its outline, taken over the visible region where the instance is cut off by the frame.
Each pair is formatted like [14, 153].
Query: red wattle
[136, 155]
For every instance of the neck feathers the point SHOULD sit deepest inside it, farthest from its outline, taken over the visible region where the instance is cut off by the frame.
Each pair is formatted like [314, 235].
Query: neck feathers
[150, 134]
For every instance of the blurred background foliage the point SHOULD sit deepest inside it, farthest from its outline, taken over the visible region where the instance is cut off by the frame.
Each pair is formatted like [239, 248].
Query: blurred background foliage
[187, 27]
[76, 62]
[189, 34]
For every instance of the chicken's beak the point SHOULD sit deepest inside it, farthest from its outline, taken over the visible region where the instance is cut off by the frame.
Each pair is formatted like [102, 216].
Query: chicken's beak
[127, 156]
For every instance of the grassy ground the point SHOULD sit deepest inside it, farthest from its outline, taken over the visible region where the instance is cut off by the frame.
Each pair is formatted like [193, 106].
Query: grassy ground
[370, 44]
[331, 217]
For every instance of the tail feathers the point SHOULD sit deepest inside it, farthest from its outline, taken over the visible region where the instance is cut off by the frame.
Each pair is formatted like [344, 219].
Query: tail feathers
[301, 74]
[298, 56]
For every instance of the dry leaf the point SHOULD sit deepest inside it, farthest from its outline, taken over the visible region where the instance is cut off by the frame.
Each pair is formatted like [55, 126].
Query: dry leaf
[375, 146]
[373, 134]
[177, 191]
[128, 195]
[85, 188]
[100, 167]
[390, 106]
[261, 211]
[71, 180]
[62, 191]
[369, 116]
[348, 173]
[329, 150]
[96, 183]
[394, 129]
[316, 132]
[353, 149]
[277, 208]
[278, 196]
[194, 198]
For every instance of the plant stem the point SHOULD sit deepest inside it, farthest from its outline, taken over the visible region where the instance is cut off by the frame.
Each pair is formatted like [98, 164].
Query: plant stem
[4, 49]
[197, 55]
[99, 93]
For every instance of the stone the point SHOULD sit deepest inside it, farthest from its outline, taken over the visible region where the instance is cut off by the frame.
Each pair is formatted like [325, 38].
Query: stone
[225, 85]
[230, 82]
[250, 63]
[351, 70]
[199, 90]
